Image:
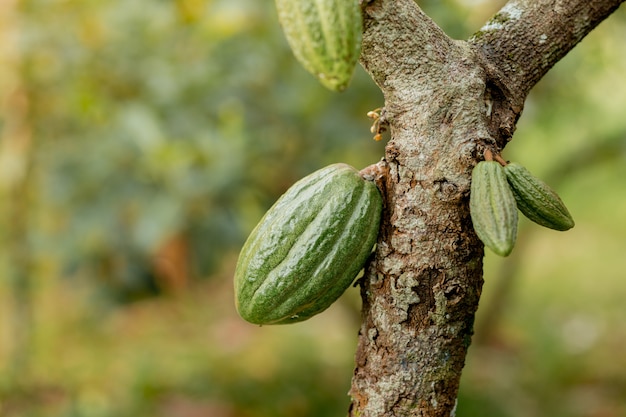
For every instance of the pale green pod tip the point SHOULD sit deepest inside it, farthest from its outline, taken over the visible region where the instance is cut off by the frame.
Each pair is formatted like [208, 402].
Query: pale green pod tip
[325, 37]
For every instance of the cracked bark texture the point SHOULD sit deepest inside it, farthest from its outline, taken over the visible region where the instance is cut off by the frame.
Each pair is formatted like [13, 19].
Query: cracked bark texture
[446, 101]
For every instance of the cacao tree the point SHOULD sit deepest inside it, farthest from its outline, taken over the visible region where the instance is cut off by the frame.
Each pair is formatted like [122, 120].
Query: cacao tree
[448, 105]
[445, 102]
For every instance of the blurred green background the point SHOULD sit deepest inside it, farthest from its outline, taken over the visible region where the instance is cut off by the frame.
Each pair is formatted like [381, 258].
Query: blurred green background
[141, 141]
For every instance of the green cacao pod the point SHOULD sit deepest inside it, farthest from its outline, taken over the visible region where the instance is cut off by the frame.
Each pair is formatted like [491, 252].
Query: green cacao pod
[308, 248]
[536, 200]
[325, 37]
[493, 208]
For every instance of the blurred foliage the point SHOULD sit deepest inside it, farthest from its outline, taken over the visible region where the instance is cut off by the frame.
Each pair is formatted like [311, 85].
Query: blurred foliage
[187, 118]
[162, 131]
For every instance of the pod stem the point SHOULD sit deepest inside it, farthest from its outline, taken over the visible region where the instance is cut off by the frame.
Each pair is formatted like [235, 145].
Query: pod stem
[373, 172]
[377, 173]
[499, 158]
[491, 156]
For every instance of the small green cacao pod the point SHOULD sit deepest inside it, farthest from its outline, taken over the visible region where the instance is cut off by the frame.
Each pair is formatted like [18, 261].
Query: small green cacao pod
[308, 248]
[536, 200]
[493, 208]
[325, 37]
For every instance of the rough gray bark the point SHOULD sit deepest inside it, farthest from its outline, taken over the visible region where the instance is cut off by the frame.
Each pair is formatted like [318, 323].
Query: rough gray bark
[446, 102]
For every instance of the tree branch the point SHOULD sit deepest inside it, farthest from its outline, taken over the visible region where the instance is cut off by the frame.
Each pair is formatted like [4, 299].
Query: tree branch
[409, 41]
[527, 37]
[446, 102]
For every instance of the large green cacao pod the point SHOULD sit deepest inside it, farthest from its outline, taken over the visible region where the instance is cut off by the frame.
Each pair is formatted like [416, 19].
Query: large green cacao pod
[308, 248]
[493, 208]
[536, 200]
[325, 37]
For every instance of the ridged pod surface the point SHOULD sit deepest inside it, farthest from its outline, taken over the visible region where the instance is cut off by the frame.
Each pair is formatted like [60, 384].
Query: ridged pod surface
[493, 208]
[308, 248]
[536, 200]
[325, 37]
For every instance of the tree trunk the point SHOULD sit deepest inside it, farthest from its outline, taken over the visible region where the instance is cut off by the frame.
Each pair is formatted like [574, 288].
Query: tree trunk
[446, 102]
